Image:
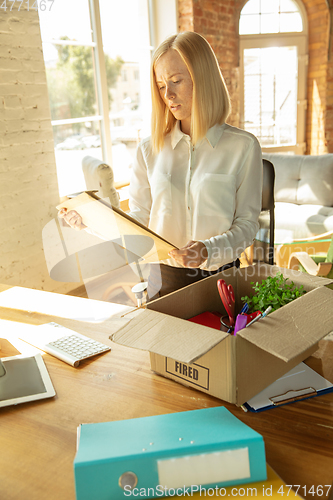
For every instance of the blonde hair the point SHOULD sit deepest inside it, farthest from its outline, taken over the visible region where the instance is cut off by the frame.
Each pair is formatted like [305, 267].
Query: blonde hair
[210, 102]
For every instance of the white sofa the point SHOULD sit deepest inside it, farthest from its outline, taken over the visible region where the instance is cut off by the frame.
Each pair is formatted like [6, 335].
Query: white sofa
[303, 196]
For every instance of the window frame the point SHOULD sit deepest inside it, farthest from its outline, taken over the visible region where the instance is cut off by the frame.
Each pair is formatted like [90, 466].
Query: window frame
[285, 39]
[101, 82]
[102, 99]
[155, 19]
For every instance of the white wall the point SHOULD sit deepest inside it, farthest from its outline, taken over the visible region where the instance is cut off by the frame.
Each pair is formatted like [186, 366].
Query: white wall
[28, 179]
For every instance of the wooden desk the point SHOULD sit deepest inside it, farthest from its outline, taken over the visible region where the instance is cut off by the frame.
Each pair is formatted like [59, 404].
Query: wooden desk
[38, 440]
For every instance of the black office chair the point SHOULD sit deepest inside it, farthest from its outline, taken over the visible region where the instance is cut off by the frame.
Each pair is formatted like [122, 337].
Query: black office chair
[266, 218]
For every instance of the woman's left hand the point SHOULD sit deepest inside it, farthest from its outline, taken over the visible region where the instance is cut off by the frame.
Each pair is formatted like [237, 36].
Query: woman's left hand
[193, 254]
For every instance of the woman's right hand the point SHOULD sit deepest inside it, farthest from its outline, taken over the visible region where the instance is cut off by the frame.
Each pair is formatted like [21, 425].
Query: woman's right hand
[72, 218]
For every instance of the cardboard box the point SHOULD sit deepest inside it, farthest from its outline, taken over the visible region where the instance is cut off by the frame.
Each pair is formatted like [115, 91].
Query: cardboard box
[232, 368]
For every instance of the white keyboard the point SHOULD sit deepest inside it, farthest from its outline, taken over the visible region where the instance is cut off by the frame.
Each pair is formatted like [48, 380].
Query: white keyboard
[63, 343]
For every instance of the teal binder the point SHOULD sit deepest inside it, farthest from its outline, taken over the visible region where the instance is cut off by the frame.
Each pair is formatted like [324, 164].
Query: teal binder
[166, 455]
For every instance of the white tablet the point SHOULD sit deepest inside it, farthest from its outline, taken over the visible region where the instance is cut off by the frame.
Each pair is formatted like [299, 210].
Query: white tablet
[24, 379]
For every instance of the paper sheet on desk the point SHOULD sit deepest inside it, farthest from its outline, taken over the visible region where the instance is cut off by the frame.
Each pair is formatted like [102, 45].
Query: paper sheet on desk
[299, 383]
[62, 306]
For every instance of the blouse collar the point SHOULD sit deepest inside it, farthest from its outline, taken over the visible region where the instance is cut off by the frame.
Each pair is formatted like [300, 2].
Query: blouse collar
[213, 135]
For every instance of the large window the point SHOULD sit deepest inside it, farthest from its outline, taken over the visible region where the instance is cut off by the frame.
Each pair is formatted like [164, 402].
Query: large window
[125, 33]
[270, 16]
[273, 52]
[97, 56]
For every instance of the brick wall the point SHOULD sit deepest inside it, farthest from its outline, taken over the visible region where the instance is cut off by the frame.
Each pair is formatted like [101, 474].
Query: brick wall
[185, 15]
[28, 187]
[329, 83]
[217, 20]
[318, 23]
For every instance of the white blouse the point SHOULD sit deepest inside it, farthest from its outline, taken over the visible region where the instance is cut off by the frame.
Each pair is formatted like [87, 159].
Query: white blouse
[210, 192]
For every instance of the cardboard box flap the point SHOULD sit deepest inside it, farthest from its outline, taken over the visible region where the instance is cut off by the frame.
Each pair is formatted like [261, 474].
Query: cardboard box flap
[291, 330]
[163, 334]
[298, 277]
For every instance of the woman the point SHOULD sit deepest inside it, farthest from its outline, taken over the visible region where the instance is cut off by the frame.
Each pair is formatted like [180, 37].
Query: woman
[197, 181]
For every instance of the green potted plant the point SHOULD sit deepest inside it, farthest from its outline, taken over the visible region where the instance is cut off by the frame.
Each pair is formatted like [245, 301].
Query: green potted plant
[275, 291]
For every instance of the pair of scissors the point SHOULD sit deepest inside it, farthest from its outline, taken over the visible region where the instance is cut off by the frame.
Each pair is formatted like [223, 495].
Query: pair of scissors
[228, 299]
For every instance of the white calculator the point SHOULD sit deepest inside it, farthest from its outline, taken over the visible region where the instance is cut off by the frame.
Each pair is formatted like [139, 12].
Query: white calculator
[64, 343]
